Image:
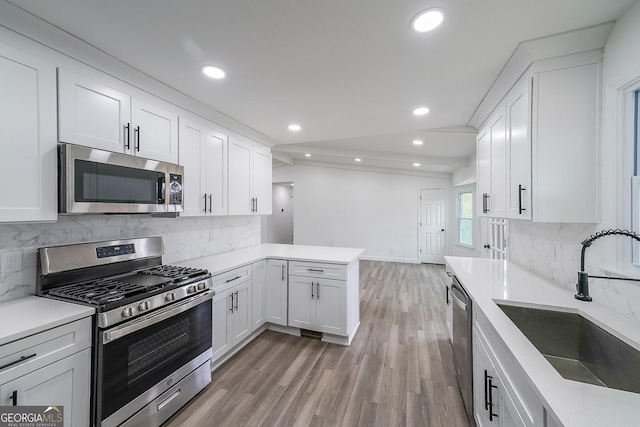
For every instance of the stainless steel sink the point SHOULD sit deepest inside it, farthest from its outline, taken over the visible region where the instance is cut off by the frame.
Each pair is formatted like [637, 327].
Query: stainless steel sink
[578, 349]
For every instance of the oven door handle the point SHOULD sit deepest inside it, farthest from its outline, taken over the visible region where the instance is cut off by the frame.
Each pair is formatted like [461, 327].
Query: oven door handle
[153, 318]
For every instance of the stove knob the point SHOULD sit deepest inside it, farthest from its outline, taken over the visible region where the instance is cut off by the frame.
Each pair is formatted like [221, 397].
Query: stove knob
[143, 306]
[127, 312]
[202, 286]
[169, 297]
[191, 289]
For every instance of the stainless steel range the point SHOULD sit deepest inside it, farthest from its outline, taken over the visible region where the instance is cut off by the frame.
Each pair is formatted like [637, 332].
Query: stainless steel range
[152, 329]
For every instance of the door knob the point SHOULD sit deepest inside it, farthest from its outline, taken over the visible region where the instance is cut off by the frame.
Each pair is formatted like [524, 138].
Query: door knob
[487, 246]
[442, 229]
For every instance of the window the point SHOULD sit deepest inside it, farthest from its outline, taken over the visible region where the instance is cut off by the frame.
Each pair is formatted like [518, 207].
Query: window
[465, 219]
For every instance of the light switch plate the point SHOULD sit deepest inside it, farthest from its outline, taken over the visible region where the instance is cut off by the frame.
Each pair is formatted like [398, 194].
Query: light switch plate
[10, 262]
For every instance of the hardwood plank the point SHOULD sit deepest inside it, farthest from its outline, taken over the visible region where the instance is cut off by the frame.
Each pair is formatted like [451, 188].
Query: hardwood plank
[398, 370]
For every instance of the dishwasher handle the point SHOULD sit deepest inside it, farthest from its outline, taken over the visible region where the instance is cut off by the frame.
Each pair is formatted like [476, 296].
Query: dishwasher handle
[459, 297]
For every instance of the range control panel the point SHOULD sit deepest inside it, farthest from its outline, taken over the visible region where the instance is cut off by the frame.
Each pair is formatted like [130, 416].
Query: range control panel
[111, 251]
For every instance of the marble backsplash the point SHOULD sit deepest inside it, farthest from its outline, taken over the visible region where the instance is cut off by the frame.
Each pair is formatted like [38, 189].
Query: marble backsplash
[553, 251]
[184, 238]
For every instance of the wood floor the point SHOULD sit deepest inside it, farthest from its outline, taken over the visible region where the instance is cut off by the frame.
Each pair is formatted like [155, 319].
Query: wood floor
[398, 370]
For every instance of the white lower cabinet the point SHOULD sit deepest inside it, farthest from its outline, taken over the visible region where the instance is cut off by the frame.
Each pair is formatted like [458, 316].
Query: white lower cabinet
[64, 383]
[231, 317]
[50, 368]
[493, 406]
[258, 294]
[276, 291]
[318, 304]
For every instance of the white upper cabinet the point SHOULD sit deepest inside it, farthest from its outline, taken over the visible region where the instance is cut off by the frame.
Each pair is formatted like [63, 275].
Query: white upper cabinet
[95, 115]
[154, 131]
[518, 175]
[249, 178]
[536, 153]
[28, 140]
[203, 153]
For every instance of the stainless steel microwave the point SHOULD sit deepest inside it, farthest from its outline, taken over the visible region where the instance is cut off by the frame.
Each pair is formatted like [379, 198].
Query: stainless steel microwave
[97, 181]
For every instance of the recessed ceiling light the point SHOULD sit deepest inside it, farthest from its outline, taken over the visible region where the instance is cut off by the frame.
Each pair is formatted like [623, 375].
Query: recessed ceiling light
[427, 20]
[358, 160]
[307, 155]
[420, 111]
[294, 127]
[213, 72]
[416, 164]
[417, 142]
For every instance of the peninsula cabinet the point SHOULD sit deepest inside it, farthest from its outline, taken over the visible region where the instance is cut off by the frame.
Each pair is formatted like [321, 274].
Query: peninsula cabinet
[276, 291]
[203, 153]
[545, 167]
[28, 134]
[258, 294]
[98, 116]
[249, 177]
[51, 368]
[231, 309]
[318, 304]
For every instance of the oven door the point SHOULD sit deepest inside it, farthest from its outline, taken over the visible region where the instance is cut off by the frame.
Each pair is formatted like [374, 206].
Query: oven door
[136, 356]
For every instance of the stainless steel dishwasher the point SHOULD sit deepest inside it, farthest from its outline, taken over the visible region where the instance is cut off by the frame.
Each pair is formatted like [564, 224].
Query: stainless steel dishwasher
[462, 360]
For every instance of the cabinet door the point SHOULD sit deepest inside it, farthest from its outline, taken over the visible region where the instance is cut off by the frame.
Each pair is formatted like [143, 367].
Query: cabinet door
[302, 302]
[519, 151]
[484, 403]
[214, 160]
[483, 163]
[241, 318]
[191, 137]
[497, 131]
[262, 187]
[509, 415]
[65, 383]
[92, 114]
[331, 306]
[258, 290]
[222, 307]
[276, 292]
[28, 137]
[154, 132]
[240, 178]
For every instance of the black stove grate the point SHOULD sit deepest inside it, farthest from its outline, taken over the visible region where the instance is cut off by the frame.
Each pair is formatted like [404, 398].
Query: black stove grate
[100, 291]
[174, 272]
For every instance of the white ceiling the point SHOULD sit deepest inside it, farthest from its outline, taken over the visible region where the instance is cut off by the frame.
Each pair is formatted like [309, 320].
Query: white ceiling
[349, 71]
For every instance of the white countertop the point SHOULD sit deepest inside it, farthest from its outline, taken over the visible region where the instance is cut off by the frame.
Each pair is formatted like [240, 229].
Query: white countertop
[573, 403]
[26, 316]
[226, 261]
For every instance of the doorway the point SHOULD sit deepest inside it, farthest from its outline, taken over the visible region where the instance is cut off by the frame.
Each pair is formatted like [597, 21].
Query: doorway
[279, 225]
[433, 225]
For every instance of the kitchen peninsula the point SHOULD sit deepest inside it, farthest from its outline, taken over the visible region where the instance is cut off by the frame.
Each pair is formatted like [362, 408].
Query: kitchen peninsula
[295, 289]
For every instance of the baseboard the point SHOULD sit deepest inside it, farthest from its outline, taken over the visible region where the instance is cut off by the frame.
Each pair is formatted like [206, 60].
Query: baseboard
[385, 259]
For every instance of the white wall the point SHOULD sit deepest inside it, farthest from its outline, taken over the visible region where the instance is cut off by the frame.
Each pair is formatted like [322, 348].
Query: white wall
[278, 227]
[376, 211]
[553, 250]
[465, 175]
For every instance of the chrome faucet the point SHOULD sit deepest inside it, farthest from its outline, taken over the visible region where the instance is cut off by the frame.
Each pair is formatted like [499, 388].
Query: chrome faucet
[582, 287]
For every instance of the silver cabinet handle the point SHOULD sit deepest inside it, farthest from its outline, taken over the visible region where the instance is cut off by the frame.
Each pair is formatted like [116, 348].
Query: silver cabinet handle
[205, 202]
[137, 133]
[128, 135]
[317, 270]
[236, 300]
[282, 273]
[311, 290]
[210, 202]
[231, 309]
[231, 280]
[317, 290]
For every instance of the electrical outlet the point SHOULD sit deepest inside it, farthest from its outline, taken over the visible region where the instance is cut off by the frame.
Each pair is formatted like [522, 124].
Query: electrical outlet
[10, 262]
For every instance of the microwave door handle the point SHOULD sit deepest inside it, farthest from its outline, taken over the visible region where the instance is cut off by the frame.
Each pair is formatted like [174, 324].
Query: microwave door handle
[161, 189]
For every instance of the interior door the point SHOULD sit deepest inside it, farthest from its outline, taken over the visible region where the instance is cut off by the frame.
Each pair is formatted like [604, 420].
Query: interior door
[432, 225]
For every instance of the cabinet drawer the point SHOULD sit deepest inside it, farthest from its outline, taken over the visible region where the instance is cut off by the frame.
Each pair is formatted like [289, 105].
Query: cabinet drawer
[231, 278]
[36, 351]
[314, 269]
